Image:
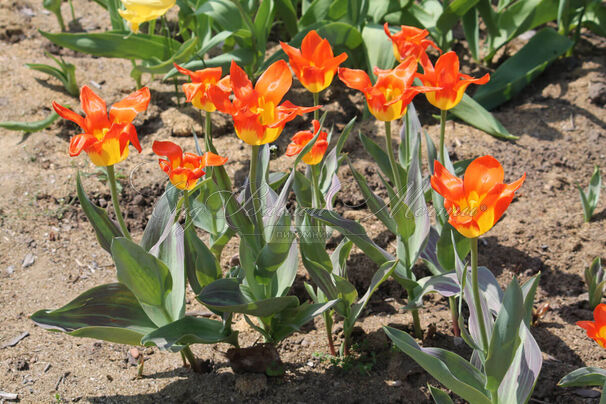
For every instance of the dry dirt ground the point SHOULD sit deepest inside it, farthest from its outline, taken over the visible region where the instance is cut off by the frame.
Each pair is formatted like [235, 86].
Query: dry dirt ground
[562, 136]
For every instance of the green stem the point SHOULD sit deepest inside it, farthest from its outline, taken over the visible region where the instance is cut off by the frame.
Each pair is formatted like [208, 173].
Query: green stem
[60, 20]
[416, 321]
[452, 302]
[188, 218]
[193, 361]
[254, 163]
[392, 160]
[316, 201]
[328, 323]
[316, 103]
[407, 139]
[208, 137]
[71, 7]
[111, 178]
[442, 134]
[151, 28]
[476, 293]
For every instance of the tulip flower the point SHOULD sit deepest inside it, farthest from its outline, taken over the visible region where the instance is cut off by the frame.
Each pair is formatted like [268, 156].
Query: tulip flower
[258, 119]
[410, 41]
[447, 76]
[197, 92]
[105, 140]
[184, 169]
[139, 11]
[389, 97]
[596, 330]
[300, 140]
[476, 202]
[314, 64]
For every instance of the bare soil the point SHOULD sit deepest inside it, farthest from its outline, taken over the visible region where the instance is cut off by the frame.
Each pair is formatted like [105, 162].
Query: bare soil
[562, 136]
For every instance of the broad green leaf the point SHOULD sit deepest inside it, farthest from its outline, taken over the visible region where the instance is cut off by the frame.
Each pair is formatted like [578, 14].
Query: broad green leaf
[454, 372]
[377, 48]
[339, 257]
[104, 227]
[453, 13]
[108, 312]
[595, 18]
[201, 265]
[378, 9]
[476, 115]
[224, 13]
[445, 284]
[505, 335]
[439, 396]
[523, 67]
[116, 19]
[286, 13]
[116, 44]
[588, 376]
[293, 318]
[523, 372]
[182, 54]
[161, 217]
[353, 231]
[146, 276]
[445, 250]
[529, 289]
[380, 157]
[471, 28]
[383, 273]
[186, 331]
[316, 12]
[302, 188]
[226, 295]
[263, 22]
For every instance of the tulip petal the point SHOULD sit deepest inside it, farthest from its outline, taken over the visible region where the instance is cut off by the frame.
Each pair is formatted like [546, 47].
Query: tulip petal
[69, 115]
[446, 184]
[241, 85]
[482, 175]
[80, 142]
[354, 78]
[167, 149]
[599, 314]
[125, 111]
[95, 109]
[220, 98]
[275, 82]
[309, 44]
[212, 159]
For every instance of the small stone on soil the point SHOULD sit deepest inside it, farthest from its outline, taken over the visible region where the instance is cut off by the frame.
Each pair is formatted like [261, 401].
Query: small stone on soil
[10, 270]
[28, 260]
[597, 93]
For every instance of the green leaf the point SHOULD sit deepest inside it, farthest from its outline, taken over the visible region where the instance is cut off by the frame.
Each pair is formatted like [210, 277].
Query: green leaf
[263, 22]
[226, 295]
[439, 396]
[286, 13]
[293, 318]
[453, 13]
[353, 231]
[104, 227]
[588, 376]
[116, 19]
[377, 48]
[445, 249]
[108, 312]
[445, 284]
[146, 276]
[380, 157]
[523, 67]
[162, 216]
[316, 12]
[454, 372]
[477, 116]
[505, 335]
[30, 127]
[179, 56]
[382, 274]
[471, 28]
[591, 197]
[201, 265]
[186, 331]
[595, 18]
[116, 44]
[529, 289]
[339, 257]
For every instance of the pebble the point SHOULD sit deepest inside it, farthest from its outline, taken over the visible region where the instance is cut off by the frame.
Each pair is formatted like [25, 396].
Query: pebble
[10, 269]
[393, 383]
[28, 260]
[305, 342]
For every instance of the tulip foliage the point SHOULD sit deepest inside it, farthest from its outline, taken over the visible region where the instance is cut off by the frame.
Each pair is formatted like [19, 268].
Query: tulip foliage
[146, 304]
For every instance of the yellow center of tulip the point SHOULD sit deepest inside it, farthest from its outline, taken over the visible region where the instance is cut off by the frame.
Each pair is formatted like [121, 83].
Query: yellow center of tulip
[100, 134]
[266, 111]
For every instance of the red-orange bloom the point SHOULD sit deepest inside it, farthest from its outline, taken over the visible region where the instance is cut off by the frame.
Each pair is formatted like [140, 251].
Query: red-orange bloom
[596, 330]
[410, 41]
[314, 64]
[105, 140]
[476, 202]
[197, 92]
[300, 140]
[446, 75]
[184, 169]
[258, 119]
[393, 91]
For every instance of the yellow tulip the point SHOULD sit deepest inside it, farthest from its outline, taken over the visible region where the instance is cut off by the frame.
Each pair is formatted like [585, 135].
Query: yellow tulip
[139, 11]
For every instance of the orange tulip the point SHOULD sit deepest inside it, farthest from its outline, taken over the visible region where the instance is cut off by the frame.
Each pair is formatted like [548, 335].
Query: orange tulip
[314, 64]
[300, 140]
[105, 140]
[389, 97]
[184, 169]
[410, 41]
[258, 119]
[476, 202]
[446, 75]
[197, 92]
[596, 330]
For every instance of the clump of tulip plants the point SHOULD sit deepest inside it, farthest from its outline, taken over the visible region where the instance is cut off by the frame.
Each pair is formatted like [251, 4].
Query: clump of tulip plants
[146, 306]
